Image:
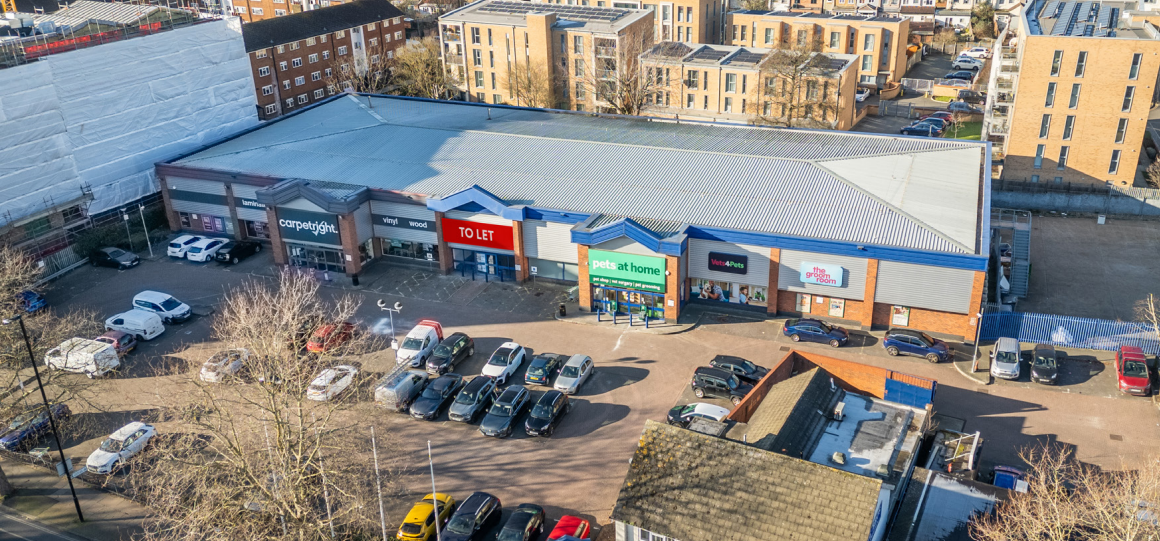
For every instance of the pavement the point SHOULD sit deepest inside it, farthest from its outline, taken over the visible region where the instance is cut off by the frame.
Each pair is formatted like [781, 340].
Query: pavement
[42, 508]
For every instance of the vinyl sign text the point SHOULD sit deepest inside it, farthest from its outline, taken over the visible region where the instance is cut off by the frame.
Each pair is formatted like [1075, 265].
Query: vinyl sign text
[499, 237]
[405, 223]
[823, 274]
[626, 270]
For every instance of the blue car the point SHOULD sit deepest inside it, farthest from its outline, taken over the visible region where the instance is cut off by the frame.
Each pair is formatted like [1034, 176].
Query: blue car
[29, 426]
[924, 130]
[33, 302]
[916, 343]
[812, 330]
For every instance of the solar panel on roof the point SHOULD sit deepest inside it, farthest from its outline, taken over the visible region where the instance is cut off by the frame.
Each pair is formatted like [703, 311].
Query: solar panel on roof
[1063, 25]
[747, 57]
[1051, 10]
[1104, 17]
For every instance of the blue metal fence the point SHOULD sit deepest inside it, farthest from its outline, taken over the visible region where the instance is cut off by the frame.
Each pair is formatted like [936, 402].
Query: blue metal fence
[1065, 331]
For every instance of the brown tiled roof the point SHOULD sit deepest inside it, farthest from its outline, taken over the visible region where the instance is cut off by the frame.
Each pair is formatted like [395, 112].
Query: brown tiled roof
[793, 414]
[919, 27]
[694, 487]
[917, 10]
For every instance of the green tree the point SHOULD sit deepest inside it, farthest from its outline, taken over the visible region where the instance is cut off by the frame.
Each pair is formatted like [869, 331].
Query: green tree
[983, 21]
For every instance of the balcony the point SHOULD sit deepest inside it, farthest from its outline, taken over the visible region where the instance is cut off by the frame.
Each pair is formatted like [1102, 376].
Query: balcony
[606, 52]
[606, 75]
[454, 59]
[999, 127]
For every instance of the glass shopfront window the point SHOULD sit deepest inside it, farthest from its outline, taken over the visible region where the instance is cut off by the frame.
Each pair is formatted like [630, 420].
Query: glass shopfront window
[411, 250]
[625, 301]
[316, 258]
[484, 265]
[206, 223]
[731, 292]
[256, 230]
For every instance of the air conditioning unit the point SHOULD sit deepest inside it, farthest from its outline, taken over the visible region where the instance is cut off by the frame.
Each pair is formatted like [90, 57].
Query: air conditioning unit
[840, 411]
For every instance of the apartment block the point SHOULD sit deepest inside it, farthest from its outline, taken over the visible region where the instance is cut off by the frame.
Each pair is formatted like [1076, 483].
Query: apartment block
[520, 53]
[297, 59]
[1071, 90]
[689, 21]
[257, 10]
[879, 41]
[738, 84]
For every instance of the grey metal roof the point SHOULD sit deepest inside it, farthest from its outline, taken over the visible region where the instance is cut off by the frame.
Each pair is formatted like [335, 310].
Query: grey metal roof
[661, 227]
[815, 184]
[106, 12]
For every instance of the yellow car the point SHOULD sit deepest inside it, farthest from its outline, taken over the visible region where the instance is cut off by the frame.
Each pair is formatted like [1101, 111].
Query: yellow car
[420, 522]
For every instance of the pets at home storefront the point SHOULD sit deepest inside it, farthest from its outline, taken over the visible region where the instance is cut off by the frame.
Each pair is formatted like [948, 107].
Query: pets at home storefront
[627, 284]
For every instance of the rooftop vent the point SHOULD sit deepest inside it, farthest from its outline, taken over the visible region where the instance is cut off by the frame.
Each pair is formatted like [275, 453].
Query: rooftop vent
[838, 458]
[840, 411]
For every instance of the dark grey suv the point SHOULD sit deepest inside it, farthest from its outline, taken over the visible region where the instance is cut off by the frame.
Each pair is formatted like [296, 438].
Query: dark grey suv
[717, 383]
[473, 399]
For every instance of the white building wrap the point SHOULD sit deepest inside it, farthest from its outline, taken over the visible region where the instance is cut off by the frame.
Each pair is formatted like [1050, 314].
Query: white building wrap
[103, 116]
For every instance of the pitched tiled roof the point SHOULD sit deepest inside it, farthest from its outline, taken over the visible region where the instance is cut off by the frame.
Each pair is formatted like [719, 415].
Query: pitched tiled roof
[793, 414]
[307, 24]
[694, 487]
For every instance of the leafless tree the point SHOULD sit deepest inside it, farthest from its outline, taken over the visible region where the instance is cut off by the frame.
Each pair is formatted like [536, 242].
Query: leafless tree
[755, 5]
[419, 71]
[1148, 310]
[257, 458]
[945, 37]
[531, 85]
[619, 80]
[796, 87]
[373, 76]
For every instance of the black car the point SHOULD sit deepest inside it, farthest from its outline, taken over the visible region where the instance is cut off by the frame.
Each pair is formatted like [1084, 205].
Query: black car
[237, 250]
[1045, 365]
[547, 413]
[525, 524]
[503, 412]
[715, 382]
[475, 397]
[473, 518]
[962, 75]
[812, 330]
[543, 367]
[30, 426]
[450, 352]
[972, 97]
[436, 395]
[745, 370]
[113, 257]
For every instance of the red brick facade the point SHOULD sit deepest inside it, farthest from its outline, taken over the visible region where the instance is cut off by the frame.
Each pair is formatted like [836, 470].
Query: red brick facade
[257, 10]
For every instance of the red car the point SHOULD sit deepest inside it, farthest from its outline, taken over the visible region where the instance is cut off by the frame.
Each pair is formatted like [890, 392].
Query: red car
[944, 115]
[122, 342]
[330, 336]
[1132, 371]
[570, 526]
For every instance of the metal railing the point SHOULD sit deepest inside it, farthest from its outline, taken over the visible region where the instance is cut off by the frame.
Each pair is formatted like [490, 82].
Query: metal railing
[23, 51]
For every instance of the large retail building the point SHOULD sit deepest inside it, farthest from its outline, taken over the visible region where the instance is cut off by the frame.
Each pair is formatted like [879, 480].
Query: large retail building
[644, 215]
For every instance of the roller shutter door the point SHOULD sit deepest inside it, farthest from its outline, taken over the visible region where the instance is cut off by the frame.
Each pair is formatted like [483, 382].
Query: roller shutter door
[198, 196]
[417, 223]
[757, 271]
[551, 241]
[246, 202]
[924, 286]
[854, 281]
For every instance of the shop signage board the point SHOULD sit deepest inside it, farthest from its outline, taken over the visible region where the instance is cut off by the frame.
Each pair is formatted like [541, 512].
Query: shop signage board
[626, 270]
[308, 226]
[730, 263]
[499, 237]
[250, 203]
[404, 223]
[823, 274]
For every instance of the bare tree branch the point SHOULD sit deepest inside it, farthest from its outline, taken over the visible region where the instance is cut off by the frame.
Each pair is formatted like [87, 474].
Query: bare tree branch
[796, 88]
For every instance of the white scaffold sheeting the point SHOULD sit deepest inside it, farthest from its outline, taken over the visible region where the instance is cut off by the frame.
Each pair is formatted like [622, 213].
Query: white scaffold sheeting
[103, 116]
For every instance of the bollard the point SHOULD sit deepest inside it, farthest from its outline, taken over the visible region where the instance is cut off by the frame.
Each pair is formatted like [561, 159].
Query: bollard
[563, 310]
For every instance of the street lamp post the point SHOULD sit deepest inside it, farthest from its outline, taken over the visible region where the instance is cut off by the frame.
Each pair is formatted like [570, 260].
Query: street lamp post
[978, 332]
[125, 215]
[391, 309]
[51, 420]
[146, 228]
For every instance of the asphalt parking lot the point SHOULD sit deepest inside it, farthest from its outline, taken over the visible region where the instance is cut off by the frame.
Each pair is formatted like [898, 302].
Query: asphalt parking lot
[639, 376]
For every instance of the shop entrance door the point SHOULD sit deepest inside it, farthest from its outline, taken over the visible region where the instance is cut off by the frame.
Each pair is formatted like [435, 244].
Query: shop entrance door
[485, 265]
[624, 301]
[316, 258]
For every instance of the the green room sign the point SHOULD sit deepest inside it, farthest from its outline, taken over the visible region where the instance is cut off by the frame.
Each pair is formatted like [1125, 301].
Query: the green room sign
[625, 270]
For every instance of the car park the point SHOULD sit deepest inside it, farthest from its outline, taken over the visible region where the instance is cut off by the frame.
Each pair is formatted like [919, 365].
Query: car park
[450, 352]
[32, 302]
[961, 75]
[180, 245]
[1005, 362]
[547, 414]
[234, 251]
[1044, 364]
[745, 370]
[331, 382]
[714, 382]
[330, 336]
[164, 305]
[92, 358]
[396, 391]
[419, 523]
[435, 396]
[813, 330]
[504, 363]
[113, 257]
[569, 525]
[543, 367]
[203, 250]
[526, 523]
[962, 107]
[418, 345]
[122, 343]
[682, 415]
[223, 364]
[120, 446]
[1132, 371]
[861, 94]
[977, 52]
[967, 63]
[502, 414]
[473, 518]
[30, 426]
[139, 323]
[915, 343]
[575, 372]
[474, 398]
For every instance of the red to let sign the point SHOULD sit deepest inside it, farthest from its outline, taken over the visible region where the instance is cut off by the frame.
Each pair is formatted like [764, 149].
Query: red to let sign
[499, 237]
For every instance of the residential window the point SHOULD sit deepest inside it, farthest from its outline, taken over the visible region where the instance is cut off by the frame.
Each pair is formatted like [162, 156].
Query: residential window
[1056, 62]
[493, 80]
[375, 57]
[263, 71]
[311, 41]
[580, 93]
[286, 84]
[370, 26]
[479, 79]
[345, 68]
[496, 99]
[373, 42]
[267, 90]
[734, 33]
[491, 58]
[1074, 101]
[1039, 150]
[319, 94]
[802, 37]
[325, 55]
[330, 90]
[743, 28]
[1134, 72]
[1050, 95]
[271, 109]
[281, 49]
[563, 44]
[579, 67]
[481, 97]
[868, 42]
[835, 39]
[744, 83]
[312, 58]
[690, 101]
[728, 105]
[489, 42]
[340, 34]
[399, 34]
[316, 76]
[1121, 130]
[811, 90]
[299, 81]
[1114, 166]
[767, 108]
[705, 103]
[693, 83]
[731, 82]
[1068, 124]
[1035, 178]
[1129, 93]
[867, 62]
[322, 38]
[475, 36]
[283, 66]
[1058, 180]
[476, 57]
[294, 46]
[297, 62]
[768, 36]
[578, 44]
[1062, 164]
[328, 72]
[342, 50]
[1080, 63]
[262, 53]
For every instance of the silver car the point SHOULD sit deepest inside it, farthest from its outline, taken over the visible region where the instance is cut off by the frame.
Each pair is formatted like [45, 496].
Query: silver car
[575, 372]
[1005, 359]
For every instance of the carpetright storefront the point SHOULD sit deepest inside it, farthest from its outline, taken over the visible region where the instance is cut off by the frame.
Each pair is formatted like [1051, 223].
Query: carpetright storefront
[645, 217]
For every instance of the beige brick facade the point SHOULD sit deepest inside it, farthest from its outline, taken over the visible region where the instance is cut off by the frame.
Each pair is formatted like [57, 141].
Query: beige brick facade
[689, 21]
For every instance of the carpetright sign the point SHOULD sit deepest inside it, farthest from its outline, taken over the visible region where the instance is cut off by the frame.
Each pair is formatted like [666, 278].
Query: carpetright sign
[823, 274]
[308, 226]
[625, 270]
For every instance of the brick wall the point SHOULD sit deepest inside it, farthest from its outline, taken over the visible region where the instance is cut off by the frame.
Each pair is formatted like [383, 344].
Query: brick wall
[585, 290]
[672, 288]
[927, 320]
[773, 293]
[521, 258]
[446, 259]
[276, 245]
[348, 233]
[787, 304]
[779, 372]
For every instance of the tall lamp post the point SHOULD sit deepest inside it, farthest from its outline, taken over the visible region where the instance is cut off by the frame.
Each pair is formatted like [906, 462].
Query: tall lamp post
[51, 420]
[392, 309]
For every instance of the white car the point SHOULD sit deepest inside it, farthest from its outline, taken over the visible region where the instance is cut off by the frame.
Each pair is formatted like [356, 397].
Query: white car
[119, 446]
[977, 52]
[1005, 359]
[204, 250]
[179, 245]
[575, 372]
[861, 94]
[417, 346]
[683, 415]
[967, 63]
[164, 305]
[331, 382]
[224, 363]
[504, 362]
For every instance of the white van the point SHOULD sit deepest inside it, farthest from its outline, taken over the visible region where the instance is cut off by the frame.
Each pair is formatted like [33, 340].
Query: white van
[399, 388]
[139, 323]
[83, 356]
[170, 309]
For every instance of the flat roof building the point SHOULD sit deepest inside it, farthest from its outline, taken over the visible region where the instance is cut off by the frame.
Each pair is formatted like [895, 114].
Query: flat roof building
[873, 230]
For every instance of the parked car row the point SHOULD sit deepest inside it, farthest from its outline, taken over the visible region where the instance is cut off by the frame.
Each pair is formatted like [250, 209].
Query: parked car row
[477, 515]
[203, 249]
[1133, 371]
[28, 428]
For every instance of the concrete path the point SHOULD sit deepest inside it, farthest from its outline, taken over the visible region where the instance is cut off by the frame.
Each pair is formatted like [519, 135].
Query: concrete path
[43, 509]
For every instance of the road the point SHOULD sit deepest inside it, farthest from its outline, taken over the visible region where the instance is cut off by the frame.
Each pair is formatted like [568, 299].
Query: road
[15, 528]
